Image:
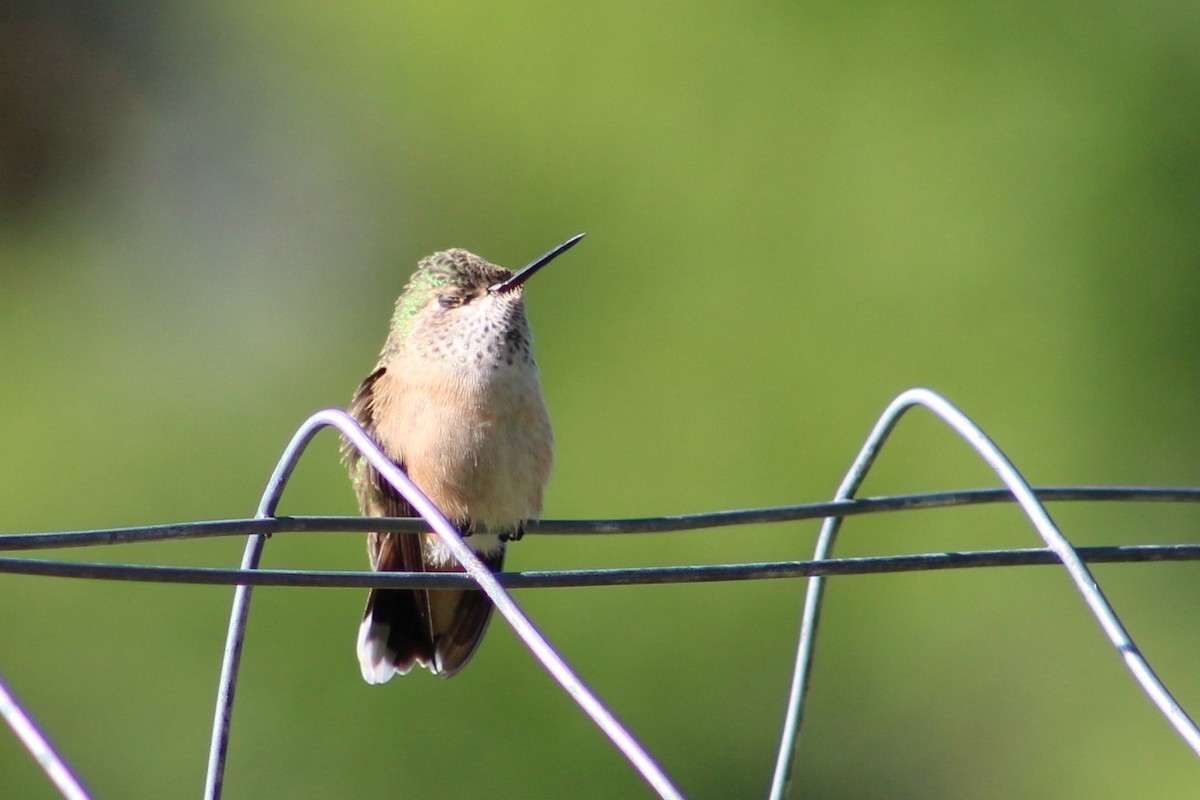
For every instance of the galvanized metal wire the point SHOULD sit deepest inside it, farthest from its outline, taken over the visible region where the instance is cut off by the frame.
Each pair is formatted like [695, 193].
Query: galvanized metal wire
[618, 576]
[682, 523]
[545, 653]
[39, 746]
[1058, 551]
[1033, 508]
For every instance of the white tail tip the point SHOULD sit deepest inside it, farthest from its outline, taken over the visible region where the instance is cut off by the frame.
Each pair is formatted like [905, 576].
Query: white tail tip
[377, 662]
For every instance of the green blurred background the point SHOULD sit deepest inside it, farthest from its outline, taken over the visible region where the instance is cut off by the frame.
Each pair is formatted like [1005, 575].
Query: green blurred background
[795, 211]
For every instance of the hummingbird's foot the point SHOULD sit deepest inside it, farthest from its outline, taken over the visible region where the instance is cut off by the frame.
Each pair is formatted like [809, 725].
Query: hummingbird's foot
[514, 536]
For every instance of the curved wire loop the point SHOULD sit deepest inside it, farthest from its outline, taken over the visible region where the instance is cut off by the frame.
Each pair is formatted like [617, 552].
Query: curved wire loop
[1037, 514]
[541, 648]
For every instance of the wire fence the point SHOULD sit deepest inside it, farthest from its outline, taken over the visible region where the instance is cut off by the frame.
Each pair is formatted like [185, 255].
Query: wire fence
[1058, 550]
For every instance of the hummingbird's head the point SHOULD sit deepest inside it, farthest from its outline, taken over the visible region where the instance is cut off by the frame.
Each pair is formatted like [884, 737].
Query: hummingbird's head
[457, 304]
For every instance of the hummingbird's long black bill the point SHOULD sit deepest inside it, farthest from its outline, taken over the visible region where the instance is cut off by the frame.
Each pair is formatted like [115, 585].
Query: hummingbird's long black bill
[526, 273]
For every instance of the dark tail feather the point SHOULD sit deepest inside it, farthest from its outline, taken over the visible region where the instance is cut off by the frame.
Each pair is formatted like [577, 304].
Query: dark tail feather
[455, 645]
[439, 630]
[393, 636]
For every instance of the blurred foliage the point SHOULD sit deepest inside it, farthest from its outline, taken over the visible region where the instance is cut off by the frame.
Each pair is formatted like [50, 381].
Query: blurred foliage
[795, 211]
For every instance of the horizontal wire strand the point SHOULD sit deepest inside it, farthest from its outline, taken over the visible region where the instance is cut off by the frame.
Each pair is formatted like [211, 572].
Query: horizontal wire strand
[616, 576]
[666, 524]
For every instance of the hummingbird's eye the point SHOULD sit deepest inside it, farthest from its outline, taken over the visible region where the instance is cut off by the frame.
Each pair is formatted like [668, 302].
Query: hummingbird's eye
[449, 300]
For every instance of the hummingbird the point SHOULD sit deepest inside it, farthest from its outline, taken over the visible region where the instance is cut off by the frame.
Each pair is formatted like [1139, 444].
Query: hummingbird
[455, 401]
